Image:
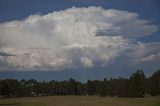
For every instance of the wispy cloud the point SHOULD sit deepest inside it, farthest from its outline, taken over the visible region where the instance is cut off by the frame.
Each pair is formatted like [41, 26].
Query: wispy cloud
[151, 57]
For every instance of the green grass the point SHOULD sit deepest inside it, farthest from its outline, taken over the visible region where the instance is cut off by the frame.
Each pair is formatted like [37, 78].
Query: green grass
[80, 101]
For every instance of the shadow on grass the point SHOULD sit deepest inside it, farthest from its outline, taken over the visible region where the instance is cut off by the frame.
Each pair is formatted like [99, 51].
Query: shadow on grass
[9, 104]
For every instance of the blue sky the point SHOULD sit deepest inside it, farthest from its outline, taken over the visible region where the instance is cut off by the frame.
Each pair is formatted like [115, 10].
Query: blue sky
[123, 61]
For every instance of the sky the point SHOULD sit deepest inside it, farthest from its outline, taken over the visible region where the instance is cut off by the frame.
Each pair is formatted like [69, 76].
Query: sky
[81, 39]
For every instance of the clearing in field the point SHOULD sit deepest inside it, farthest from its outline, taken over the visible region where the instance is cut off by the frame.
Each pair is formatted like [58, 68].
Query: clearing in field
[80, 101]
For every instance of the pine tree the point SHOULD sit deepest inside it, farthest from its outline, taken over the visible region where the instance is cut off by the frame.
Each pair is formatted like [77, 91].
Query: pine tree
[154, 82]
[137, 87]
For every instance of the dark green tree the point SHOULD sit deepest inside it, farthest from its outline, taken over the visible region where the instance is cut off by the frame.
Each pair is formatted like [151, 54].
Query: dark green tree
[137, 84]
[123, 87]
[91, 87]
[112, 87]
[154, 83]
[103, 88]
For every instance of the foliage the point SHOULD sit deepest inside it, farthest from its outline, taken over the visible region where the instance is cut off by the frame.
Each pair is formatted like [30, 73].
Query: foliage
[136, 86]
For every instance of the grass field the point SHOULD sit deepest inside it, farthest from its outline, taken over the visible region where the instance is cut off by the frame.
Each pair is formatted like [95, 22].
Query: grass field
[80, 101]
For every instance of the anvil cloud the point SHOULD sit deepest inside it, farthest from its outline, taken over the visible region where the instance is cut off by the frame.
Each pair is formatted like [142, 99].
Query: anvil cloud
[72, 38]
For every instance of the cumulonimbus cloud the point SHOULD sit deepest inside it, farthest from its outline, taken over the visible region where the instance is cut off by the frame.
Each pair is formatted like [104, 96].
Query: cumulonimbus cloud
[75, 37]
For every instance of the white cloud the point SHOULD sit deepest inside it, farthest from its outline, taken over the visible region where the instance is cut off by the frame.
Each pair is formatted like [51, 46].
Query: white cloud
[143, 52]
[151, 57]
[86, 62]
[67, 39]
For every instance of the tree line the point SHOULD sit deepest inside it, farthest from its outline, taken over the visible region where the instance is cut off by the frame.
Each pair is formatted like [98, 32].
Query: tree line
[135, 86]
